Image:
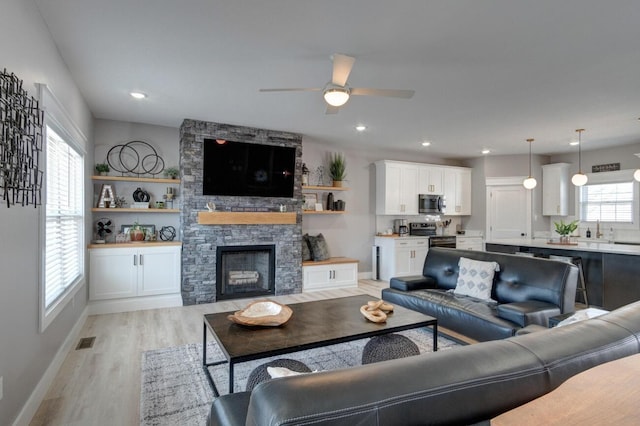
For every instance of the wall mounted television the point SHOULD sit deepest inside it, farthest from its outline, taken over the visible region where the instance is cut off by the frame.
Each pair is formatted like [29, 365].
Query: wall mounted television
[247, 169]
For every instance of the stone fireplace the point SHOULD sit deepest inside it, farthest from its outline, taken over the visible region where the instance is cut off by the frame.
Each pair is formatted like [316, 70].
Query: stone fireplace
[202, 242]
[245, 271]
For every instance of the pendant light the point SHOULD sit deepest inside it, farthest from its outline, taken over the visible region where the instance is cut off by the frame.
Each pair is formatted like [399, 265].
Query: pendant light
[579, 179]
[529, 182]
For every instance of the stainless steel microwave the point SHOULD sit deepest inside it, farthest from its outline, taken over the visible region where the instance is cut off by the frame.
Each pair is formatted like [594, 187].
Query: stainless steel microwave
[431, 204]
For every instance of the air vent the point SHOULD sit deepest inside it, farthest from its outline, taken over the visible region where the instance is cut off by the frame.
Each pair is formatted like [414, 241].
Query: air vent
[86, 343]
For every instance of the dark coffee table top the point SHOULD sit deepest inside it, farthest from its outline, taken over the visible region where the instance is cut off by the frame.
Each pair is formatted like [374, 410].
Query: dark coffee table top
[313, 324]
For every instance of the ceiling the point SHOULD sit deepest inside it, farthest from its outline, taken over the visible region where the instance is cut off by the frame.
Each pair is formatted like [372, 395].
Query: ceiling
[487, 74]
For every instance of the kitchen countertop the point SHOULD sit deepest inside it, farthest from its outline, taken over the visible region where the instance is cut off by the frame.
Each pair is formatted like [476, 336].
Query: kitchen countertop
[595, 246]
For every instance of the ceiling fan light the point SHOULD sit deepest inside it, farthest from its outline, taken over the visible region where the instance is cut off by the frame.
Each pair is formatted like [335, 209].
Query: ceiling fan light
[530, 182]
[636, 175]
[336, 97]
[580, 179]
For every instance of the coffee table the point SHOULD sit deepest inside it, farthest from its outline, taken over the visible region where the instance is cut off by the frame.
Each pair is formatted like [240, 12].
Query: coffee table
[312, 325]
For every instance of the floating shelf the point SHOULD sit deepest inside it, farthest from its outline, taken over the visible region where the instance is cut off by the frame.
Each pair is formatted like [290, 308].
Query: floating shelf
[130, 210]
[324, 188]
[246, 218]
[135, 179]
[322, 212]
[129, 244]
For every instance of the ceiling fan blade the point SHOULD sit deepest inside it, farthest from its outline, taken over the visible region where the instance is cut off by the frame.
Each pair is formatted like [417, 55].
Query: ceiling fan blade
[342, 65]
[301, 89]
[332, 109]
[389, 93]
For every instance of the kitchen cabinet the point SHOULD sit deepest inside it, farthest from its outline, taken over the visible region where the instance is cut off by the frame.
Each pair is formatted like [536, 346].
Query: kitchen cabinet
[401, 256]
[469, 243]
[430, 180]
[396, 188]
[129, 272]
[555, 189]
[336, 272]
[457, 191]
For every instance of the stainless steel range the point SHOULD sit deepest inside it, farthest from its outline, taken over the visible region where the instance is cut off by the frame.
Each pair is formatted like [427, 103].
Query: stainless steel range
[425, 229]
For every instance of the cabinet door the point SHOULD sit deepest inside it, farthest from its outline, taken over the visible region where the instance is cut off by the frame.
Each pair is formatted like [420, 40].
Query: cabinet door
[419, 254]
[555, 189]
[345, 275]
[457, 190]
[316, 277]
[159, 271]
[431, 180]
[408, 189]
[469, 243]
[388, 185]
[113, 273]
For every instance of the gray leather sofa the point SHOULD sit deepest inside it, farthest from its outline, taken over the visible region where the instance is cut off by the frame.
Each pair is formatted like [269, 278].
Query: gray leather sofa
[464, 385]
[526, 291]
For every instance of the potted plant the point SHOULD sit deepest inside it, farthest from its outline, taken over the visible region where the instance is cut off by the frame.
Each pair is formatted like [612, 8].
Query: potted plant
[136, 233]
[565, 229]
[172, 172]
[337, 168]
[102, 169]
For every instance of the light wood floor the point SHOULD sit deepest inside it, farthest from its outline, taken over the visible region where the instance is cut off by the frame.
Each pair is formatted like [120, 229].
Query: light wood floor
[101, 385]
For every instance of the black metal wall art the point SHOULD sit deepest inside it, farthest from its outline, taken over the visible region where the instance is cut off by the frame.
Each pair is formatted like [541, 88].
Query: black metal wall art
[135, 157]
[21, 122]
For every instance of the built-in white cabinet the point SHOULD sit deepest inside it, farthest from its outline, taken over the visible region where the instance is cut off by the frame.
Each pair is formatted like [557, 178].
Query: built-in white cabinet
[396, 188]
[469, 243]
[337, 272]
[127, 272]
[401, 256]
[457, 191]
[555, 189]
[430, 180]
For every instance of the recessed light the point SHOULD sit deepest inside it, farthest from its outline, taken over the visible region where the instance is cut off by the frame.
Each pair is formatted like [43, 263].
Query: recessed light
[485, 151]
[138, 95]
[426, 143]
[361, 127]
[574, 143]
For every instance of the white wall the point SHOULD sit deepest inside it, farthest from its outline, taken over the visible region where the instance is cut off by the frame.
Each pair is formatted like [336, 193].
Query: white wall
[25, 353]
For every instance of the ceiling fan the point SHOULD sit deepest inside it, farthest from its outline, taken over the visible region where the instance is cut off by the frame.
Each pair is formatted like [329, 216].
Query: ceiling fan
[337, 92]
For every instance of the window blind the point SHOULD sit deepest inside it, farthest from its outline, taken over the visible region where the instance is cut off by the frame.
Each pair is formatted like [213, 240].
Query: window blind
[610, 202]
[64, 217]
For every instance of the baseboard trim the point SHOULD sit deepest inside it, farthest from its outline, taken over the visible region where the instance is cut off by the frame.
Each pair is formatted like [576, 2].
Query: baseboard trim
[99, 307]
[37, 396]
[365, 275]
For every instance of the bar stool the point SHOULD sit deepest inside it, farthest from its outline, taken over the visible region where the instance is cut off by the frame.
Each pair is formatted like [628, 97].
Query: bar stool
[576, 260]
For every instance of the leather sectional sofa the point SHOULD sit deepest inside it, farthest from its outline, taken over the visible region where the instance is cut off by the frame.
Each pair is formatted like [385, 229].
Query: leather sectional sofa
[464, 385]
[525, 291]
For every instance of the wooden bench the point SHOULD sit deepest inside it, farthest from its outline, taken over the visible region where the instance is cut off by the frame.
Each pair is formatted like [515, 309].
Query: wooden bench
[335, 272]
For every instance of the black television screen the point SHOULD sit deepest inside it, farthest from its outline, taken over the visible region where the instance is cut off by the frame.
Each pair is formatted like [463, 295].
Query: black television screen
[247, 169]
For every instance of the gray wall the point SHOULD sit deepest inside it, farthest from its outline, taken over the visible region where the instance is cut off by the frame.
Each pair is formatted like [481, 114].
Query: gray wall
[25, 353]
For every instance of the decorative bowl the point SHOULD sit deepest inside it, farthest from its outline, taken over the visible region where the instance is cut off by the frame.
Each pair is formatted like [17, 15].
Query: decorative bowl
[263, 313]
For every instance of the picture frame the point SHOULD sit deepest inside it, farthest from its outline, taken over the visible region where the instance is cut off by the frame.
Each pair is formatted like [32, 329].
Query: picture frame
[148, 229]
[310, 200]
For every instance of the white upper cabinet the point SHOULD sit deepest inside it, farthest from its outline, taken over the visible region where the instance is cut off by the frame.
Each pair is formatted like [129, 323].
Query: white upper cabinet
[396, 188]
[555, 189]
[430, 180]
[457, 191]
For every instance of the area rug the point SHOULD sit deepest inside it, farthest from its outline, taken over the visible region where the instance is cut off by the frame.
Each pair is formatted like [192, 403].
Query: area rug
[175, 390]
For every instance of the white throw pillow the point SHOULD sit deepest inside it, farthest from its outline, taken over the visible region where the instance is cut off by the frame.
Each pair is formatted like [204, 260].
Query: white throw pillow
[475, 278]
[276, 372]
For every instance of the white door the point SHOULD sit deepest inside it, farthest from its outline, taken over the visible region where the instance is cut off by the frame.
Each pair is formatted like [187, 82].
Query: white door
[508, 212]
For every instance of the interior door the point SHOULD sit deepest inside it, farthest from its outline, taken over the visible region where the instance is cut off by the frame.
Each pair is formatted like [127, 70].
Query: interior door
[509, 212]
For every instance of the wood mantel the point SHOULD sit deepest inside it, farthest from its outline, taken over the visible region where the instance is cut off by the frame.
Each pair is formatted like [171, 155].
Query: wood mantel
[247, 218]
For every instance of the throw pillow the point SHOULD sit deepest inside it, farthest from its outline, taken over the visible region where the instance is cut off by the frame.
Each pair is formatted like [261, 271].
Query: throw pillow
[318, 247]
[306, 253]
[475, 278]
[276, 372]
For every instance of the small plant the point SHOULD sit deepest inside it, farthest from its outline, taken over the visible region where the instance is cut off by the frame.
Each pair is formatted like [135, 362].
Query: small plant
[337, 167]
[102, 168]
[565, 229]
[137, 232]
[172, 172]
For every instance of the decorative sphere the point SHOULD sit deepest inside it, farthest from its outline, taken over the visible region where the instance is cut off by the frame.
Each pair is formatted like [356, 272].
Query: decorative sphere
[579, 179]
[530, 183]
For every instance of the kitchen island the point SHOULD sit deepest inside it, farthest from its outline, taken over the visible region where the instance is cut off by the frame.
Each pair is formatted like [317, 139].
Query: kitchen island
[612, 271]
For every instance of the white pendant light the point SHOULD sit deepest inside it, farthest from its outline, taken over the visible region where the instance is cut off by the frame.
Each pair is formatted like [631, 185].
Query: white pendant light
[579, 179]
[530, 182]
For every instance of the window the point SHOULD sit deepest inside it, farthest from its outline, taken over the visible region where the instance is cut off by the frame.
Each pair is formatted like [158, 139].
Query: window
[62, 216]
[65, 218]
[609, 199]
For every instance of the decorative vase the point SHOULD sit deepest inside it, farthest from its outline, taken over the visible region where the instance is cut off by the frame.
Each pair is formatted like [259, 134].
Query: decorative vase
[136, 235]
[564, 239]
[337, 183]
